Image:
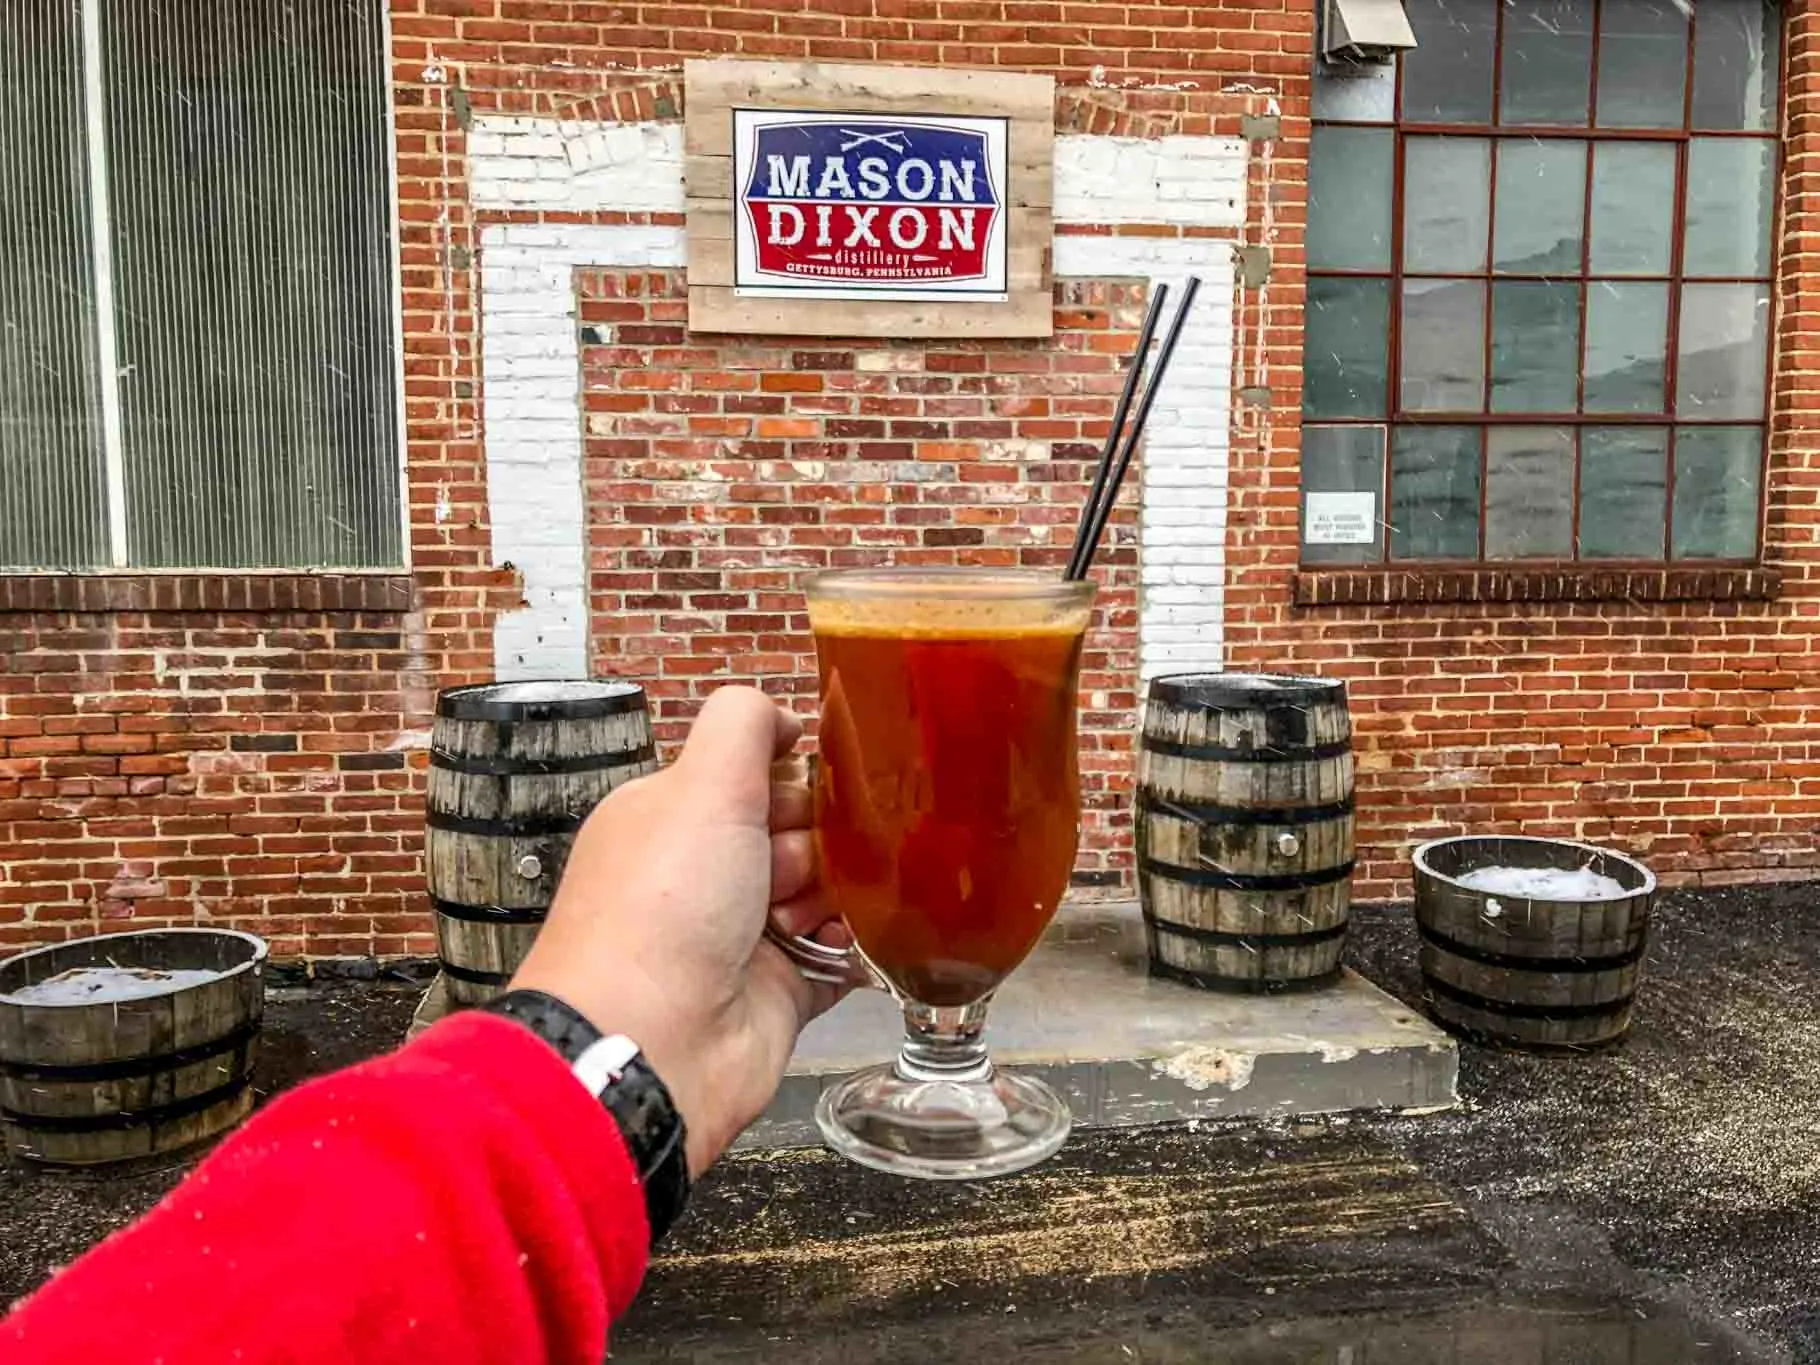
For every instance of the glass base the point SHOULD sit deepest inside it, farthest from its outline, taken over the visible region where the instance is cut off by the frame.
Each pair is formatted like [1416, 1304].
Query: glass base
[943, 1128]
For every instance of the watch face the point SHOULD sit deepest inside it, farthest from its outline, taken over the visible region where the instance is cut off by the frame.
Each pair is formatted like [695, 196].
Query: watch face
[604, 1062]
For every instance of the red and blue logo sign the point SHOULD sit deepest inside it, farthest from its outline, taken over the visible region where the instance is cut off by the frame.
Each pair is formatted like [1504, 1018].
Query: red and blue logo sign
[865, 203]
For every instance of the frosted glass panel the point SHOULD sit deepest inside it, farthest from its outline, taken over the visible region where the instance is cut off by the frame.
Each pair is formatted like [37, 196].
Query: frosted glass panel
[1443, 336]
[1446, 204]
[1350, 177]
[1346, 333]
[1626, 346]
[255, 304]
[1623, 492]
[1529, 493]
[1447, 75]
[1633, 208]
[1718, 478]
[53, 496]
[1535, 345]
[1723, 350]
[1735, 65]
[1541, 207]
[1642, 64]
[1434, 493]
[1344, 460]
[1731, 205]
[1546, 74]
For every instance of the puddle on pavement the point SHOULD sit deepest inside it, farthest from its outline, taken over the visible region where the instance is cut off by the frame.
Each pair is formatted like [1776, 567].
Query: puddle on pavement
[1475, 1335]
[1472, 1333]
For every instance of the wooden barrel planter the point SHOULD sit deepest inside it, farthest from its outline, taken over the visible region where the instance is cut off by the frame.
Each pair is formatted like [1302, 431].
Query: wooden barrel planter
[128, 1045]
[1245, 829]
[1545, 972]
[514, 769]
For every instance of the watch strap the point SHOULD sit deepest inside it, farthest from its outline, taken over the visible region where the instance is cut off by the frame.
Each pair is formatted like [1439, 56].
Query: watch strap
[615, 1071]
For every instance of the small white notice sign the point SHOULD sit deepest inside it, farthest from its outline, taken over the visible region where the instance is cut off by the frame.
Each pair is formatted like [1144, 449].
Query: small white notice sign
[1340, 519]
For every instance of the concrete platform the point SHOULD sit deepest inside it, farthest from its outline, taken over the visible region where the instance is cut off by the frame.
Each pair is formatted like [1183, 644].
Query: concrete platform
[1084, 1015]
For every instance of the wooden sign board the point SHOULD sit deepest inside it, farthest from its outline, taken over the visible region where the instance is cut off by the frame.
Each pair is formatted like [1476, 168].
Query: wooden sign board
[868, 200]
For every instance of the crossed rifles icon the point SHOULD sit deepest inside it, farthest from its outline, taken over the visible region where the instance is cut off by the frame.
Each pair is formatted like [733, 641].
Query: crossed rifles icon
[895, 141]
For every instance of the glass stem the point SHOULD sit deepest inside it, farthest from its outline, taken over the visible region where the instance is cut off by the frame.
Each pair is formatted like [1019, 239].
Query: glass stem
[945, 1042]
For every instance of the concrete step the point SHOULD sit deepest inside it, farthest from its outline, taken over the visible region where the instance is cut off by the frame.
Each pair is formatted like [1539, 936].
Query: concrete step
[1084, 1015]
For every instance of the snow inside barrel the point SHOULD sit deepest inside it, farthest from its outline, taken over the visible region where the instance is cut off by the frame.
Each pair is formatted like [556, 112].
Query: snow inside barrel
[1531, 943]
[515, 767]
[128, 1046]
[1245, 829]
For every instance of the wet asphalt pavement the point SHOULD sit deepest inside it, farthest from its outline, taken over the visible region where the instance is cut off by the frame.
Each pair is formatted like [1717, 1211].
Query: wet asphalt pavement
[1654, 1204]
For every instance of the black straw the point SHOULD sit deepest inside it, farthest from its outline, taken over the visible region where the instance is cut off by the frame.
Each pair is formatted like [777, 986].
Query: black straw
[1099, 506]
[1103, 470]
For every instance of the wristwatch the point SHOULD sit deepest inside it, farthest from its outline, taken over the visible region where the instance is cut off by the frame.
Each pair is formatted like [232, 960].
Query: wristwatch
[615, 1071]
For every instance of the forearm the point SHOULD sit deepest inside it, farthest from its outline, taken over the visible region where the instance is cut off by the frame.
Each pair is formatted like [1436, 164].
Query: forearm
[463, 1200]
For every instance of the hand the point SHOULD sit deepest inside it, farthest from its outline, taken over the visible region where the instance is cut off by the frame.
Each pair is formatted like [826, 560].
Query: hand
[656, 928]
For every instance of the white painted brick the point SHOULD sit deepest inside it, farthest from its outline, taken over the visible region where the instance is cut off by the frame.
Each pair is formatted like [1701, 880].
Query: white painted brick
[1174, 596]
[1173, 513]
[518, 162]
[530, 394]
[1183, 509]
[1192, 181]
[514, 160]
[1188, 474]
[1166, 554]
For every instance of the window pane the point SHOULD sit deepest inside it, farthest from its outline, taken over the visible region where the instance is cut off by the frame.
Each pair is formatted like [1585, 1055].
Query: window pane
[1347, 92]
[255, 309]
[1718, 472]
[1541, 201]
[1546, 75]
[1434, 493]
[1731, 205]
[1529, 493]
[1736, 53]
[1626, 346]
[1349, 182]
[53, 492]
[1535, 342]
[1722, 351]
[1642, 64]
[1443, 336]
[1633, 204]
[1623, 492]
[1447, 75]
[1343, 460]
[1446, 203]
[1343, 351]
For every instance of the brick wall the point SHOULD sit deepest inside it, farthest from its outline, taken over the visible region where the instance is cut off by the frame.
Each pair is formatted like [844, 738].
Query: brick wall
[1686, 730]
[718, 474]
[248, 770]
[544, 53]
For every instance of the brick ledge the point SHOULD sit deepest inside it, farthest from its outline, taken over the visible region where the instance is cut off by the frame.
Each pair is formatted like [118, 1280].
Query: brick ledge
[1385, 587]
[226, 591]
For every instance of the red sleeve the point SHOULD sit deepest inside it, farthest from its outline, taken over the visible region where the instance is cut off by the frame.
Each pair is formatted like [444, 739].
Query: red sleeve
[461, 1200]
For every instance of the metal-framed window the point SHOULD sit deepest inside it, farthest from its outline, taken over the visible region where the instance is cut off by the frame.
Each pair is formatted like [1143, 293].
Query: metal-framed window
[198, 303]
[1541, 260]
